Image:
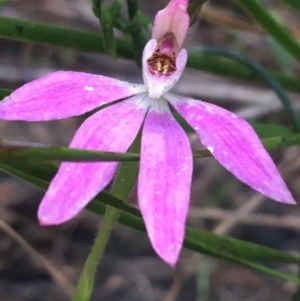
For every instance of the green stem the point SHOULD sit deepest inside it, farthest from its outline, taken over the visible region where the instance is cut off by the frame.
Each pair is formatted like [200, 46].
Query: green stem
[86, 281]
[261, 15]
[80, 40]
[19, 152]
[109, 43]
[21, 30]
[122, 187]
[136, 33]
[296, 294]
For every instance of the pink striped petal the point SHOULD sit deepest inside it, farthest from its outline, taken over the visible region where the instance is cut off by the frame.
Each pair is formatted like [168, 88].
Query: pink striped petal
[234, 143]
[111, 129]
[63, 94]
[164, 181]
[173, 19]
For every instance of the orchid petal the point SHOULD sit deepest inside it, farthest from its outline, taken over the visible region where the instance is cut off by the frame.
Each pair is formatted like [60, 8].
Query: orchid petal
[174, 18]
[234, 143]
[63, 94]
[111, 129]
[157, 85]
[164, 181]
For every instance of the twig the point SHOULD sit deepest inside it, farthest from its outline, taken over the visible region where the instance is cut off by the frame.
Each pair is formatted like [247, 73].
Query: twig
[36, 257]
[243, 212]
[177, 284]
[270, 220]
[240, 214]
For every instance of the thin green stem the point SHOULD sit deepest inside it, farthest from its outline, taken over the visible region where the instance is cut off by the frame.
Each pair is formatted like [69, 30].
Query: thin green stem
[138, 40]
[21, 30]
[20, 152]
[261, 15]
[269, 80]
[296, 294]
[16, 29]
[106, 23]
[85, 284]
[122, 187]
[11, 150]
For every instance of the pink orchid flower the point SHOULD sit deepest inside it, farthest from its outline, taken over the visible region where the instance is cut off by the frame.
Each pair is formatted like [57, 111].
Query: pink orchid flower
[166, 163]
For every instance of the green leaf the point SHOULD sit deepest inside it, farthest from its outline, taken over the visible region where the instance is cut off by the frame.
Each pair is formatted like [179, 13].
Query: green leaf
[21, 30]
[2, 2]
[19, 151]
[281, 141]
[196, 239]
[34, 178]
[284, 59]
[270, 130]
[4, 92]
[248, 264]
[261, 15]
[294, 4]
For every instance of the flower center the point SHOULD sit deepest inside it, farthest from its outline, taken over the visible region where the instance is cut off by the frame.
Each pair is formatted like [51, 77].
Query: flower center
[163, 60]
[161, 63]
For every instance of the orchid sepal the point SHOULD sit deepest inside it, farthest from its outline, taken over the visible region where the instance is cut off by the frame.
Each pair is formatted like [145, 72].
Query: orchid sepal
[235, 145]
[64, 94]
[164, 180]
[76, 184]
